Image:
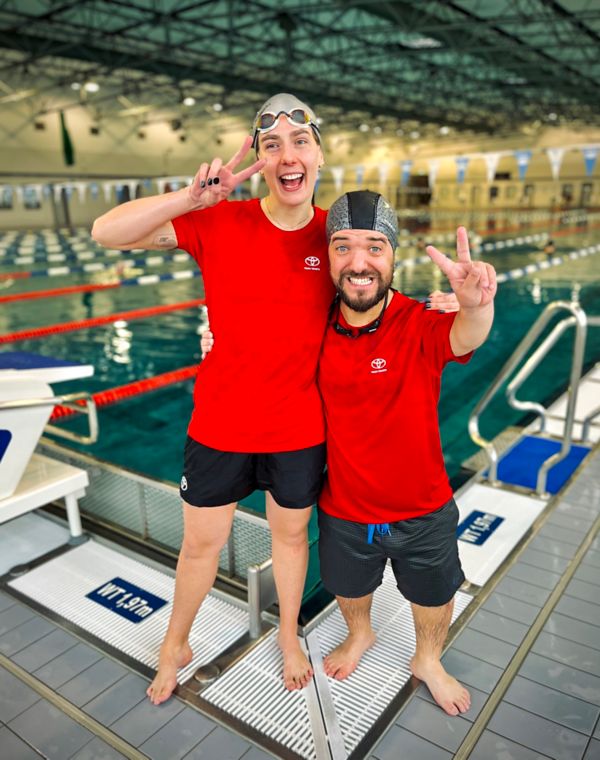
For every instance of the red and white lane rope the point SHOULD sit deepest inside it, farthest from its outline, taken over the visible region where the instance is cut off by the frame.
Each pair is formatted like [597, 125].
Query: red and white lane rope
[83, 324]
[114, 395]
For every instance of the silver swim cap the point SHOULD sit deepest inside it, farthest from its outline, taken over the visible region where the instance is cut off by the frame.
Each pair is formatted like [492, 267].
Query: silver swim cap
[363, 210]
[296, 112]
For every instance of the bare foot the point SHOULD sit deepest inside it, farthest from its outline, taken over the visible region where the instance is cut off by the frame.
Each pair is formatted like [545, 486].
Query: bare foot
[165, 680]
[297, 671]
[450, 695]
[344, 659]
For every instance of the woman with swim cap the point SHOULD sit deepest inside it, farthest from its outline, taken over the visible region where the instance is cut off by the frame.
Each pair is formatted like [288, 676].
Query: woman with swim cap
[257, 421]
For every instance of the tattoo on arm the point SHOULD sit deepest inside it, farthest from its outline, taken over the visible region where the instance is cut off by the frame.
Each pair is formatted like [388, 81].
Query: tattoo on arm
[165, 241]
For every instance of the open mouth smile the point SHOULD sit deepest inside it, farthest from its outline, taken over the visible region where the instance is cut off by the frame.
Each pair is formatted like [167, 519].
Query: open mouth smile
[291, 181]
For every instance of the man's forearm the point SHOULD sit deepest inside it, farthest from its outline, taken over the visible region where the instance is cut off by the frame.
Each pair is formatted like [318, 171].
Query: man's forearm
[137, 219]
[471, 328]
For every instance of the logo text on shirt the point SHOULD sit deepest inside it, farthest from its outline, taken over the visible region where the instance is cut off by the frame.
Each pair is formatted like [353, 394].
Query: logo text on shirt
[313, 263]
[378, 365]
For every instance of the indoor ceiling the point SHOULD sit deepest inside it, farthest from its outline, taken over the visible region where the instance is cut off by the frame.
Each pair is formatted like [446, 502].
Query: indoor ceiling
[481, 65]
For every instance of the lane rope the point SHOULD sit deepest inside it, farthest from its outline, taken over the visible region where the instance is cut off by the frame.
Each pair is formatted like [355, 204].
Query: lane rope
[146, 279]
[515, 274]
[82, 324]
[99, 266]
[130, 390]
[32, 294]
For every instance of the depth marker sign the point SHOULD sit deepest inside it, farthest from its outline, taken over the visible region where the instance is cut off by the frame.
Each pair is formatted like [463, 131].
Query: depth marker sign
[477, 527]
[127, 600]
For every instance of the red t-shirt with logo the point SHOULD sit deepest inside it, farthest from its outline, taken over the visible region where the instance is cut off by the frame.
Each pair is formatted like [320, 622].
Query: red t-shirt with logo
[380, 392]
[267, 292]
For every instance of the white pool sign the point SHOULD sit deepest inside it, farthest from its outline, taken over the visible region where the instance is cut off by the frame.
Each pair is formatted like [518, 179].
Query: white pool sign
[492, 521]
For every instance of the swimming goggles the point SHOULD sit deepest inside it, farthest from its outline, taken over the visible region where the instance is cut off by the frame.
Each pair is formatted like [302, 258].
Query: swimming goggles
[354, 333]
[297, 116]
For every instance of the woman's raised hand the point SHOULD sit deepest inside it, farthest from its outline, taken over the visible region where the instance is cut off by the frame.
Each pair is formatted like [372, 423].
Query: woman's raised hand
[216, 181]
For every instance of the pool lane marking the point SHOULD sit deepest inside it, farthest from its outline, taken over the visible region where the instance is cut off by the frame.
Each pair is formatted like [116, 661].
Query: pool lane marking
[130, 390]
[518, 227]
[87, 256]
[184, 274]
[189, 274]
[82, 324]
[99, 266]
[57, 292]
[77, 247]
[500, 244]
[515, 274]
[15, 276]
[510, 242]
[182, 256]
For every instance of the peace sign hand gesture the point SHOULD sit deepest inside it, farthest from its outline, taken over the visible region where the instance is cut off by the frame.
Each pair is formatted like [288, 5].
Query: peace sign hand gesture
[474, 282]
[216, 181]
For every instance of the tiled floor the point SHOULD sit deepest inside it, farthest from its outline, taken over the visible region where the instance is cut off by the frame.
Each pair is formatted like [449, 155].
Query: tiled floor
[550, 710]
[552, 707]
[31, 727]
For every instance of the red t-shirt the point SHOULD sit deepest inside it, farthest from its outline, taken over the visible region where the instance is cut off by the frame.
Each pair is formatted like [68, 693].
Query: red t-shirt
[267, 293]
[380, 392]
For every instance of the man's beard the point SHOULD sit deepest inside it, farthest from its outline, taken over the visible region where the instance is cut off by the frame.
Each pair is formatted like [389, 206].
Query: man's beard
[358, 303]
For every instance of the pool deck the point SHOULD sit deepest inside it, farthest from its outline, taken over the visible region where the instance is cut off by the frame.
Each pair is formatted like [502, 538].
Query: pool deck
[528, 650]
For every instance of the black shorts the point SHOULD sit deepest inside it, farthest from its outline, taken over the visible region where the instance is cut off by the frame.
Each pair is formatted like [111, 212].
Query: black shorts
[212, 478]
[423, 552]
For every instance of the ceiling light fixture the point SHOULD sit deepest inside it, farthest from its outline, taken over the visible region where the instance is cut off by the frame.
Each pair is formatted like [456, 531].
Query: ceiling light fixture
[422, 42]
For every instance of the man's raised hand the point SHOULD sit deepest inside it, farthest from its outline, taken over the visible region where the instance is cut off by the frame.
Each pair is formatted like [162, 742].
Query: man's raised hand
[216, 181]
[474, 282]
[207, 341]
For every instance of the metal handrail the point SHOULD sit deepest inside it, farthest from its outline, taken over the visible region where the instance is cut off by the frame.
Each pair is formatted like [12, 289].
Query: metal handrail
[579, 320]
[530, 365]
[70, 401]
[587, 421]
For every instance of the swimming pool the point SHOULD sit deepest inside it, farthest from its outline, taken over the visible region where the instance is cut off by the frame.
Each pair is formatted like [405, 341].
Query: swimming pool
[146, 433]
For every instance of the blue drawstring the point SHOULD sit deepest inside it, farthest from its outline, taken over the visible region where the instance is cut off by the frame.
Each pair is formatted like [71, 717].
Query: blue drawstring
[382, 528]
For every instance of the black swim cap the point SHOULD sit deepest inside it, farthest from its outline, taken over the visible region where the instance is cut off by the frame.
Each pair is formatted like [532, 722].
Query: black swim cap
[363, 210]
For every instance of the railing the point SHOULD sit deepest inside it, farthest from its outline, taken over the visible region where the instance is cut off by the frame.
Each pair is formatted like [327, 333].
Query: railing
[580, 322]
[70, 401]
[587, 421]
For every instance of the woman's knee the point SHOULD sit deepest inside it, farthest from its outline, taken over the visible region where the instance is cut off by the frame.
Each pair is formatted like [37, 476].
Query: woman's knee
[195, 546]
[207, 533]
[290, 535]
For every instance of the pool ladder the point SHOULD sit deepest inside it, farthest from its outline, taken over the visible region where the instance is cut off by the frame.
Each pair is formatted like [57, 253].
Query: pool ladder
[580, 321]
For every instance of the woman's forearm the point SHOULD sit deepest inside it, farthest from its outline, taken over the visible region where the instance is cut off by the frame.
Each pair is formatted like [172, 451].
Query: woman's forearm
[136, 220]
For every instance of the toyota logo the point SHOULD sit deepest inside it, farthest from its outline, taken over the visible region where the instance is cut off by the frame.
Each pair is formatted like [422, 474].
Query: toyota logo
[312, 261]
[378, 363]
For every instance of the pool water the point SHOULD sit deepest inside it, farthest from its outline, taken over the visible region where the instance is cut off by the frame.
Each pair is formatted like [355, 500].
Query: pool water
[147, 433]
